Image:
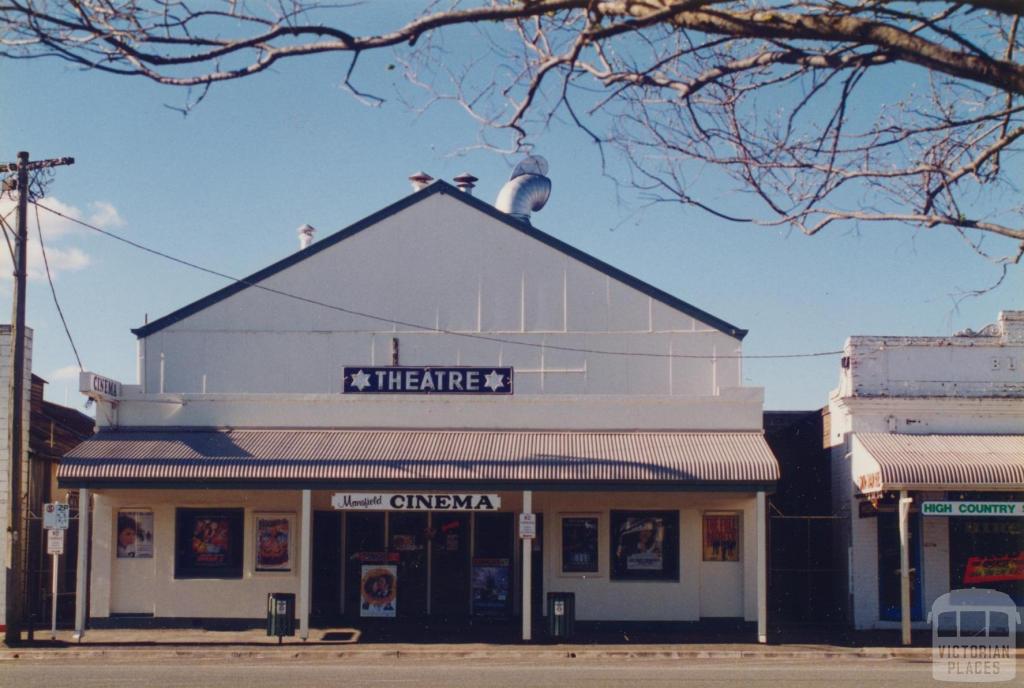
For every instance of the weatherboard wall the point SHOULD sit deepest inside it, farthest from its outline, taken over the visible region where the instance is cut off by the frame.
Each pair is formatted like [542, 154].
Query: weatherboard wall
[442, 264]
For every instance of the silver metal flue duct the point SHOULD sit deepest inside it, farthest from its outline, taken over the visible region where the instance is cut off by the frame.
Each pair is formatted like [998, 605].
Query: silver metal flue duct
[527, 190]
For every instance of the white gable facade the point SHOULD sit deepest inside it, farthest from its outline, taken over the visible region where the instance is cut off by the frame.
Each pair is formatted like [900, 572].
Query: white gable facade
[613, 411]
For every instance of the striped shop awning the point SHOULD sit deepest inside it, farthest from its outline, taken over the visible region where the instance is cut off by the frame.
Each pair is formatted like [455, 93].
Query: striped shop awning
[940, 462]
[535, 459]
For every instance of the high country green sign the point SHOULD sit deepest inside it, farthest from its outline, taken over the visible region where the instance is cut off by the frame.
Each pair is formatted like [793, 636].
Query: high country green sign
[972, 508]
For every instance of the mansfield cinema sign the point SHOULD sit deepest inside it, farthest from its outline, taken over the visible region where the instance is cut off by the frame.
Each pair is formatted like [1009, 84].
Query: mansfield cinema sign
[385, 501]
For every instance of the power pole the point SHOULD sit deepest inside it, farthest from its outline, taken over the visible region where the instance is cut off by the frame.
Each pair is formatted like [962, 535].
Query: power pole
[15, 523]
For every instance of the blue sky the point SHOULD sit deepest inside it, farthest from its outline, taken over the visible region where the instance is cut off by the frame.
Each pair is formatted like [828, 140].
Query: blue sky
[228, 185]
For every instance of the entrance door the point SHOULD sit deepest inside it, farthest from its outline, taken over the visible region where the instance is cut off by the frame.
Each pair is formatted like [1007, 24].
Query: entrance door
[326, 599]
[407, 539]
[450, 564]
[364, 545]
[889, 566]
[493, 555]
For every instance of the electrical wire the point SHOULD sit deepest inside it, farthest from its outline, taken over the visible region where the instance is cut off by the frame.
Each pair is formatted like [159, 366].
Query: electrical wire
[7, 234]
[53, 290]
[417, 326]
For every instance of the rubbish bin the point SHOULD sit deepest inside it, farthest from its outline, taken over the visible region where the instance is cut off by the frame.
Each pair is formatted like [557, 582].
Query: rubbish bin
[561, 615]
[280, 614]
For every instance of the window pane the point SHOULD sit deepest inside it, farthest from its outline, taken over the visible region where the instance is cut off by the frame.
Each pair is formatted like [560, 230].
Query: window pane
[972, 624]
[946, 625]
[998, 625]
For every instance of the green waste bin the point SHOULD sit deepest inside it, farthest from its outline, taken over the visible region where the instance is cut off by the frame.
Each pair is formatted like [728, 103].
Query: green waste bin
[280, 614]
[561, 615]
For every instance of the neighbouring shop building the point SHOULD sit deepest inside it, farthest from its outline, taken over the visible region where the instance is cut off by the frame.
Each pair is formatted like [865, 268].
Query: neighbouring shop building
[927, 439]
[370, 415]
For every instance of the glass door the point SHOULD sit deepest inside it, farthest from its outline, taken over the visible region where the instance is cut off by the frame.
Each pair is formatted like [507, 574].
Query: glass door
[449, 555]
[364, 550]
[407, 540]
[493, 554]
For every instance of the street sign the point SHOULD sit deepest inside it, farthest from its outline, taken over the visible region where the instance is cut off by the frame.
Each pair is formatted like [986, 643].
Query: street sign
[56, 516]
[527, 526]
[55, 541]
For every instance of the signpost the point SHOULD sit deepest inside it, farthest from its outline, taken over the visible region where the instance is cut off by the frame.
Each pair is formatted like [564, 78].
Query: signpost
[56, 518]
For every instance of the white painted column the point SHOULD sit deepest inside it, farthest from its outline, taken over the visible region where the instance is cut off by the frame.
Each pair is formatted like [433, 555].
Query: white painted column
[306, 567]
[762, 568]
[527, 546]
[905, 502]
[82, 572]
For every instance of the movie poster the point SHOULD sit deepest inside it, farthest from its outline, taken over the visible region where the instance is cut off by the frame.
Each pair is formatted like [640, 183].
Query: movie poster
[134, 534]
[492, 587]
[645, 545]
[273, 542]
[579, 544]
[209, 543]
[721, 537]
[379, 591]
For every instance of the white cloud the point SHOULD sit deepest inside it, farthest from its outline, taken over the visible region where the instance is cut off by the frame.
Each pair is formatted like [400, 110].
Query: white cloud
[105, 215]
[58, 232]
[63, 374]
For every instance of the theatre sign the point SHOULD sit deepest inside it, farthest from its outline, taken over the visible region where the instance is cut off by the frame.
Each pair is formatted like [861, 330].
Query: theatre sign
[386, 501]
[426, 380]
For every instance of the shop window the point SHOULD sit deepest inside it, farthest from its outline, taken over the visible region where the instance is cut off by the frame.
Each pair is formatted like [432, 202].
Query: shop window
[579, 544]
[721, 537]
[644, 545]
[988, 552]
[208, 543]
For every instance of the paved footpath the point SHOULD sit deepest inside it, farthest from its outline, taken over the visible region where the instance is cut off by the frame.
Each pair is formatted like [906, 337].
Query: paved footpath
[114, 645]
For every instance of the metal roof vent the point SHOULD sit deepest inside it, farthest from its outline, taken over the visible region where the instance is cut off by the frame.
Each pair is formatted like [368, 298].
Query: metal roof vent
[306, 233]
[466, 182]
[527, 190]
[420, 180]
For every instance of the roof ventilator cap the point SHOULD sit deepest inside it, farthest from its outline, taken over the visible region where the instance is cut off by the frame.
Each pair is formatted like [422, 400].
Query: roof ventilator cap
[420, 180]
[466, 182]
[306, 233]
[527, 190]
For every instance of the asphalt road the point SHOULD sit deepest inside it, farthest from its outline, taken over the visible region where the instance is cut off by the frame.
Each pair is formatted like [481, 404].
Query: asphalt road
[567, 673]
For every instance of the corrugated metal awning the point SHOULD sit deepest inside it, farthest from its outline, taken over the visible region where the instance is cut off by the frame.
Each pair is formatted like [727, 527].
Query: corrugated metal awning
[421, 457]
[937, 462]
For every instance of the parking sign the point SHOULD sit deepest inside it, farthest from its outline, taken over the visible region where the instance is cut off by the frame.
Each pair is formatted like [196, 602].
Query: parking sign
[56, 516]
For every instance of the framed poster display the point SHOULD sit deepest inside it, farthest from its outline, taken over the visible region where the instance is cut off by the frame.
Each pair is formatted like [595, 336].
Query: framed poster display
[134, 534]
[208, 543]
[274, 545]
[378, 591]
[645, 545]
[492, 587]
[579, 544]
[721, 536]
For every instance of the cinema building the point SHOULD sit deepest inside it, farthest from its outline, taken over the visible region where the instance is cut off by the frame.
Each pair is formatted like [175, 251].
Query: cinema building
[928, 470]
[437, 412]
